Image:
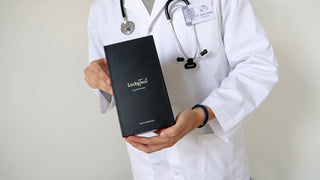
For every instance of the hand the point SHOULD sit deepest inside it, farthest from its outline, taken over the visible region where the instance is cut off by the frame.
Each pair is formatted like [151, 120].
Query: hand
[186, 121]
[97, 76]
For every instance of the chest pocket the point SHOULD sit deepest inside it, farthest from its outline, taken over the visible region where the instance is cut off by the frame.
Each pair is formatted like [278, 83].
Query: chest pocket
[207, 32]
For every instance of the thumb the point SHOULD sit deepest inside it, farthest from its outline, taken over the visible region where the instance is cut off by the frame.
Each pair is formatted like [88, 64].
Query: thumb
[174, 129]
[104, 65]
[105, 61]
[171, 131]
[163, 133]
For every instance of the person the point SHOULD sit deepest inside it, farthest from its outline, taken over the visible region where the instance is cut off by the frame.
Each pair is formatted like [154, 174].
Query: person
[230, 81]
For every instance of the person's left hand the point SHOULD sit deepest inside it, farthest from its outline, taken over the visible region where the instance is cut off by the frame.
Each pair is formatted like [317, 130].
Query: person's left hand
[186, 121]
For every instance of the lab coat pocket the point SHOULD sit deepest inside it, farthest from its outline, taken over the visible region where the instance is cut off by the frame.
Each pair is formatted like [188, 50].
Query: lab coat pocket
[224, 160]
[217, 156]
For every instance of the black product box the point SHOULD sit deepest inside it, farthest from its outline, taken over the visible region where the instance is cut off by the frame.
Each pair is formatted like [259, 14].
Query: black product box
[139, 89]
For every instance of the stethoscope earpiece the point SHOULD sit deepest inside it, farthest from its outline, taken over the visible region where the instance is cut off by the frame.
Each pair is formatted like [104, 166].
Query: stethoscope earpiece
[198, 53]
[190, 63]
[180, 59]
[204, 52]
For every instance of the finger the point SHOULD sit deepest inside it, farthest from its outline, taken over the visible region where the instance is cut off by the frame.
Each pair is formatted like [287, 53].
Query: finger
[97, 67]
[176, 131]
[105, 65]
[148, 148]
[102, 75]
[97, 83]
[91, 82]
[150, 141]
[91, 78]
[100, 72]
[111, 90]
[102, 61]
[95, 70]
[108, 81]
[103, 85]
[90, 73]
[171, 131]
[141, 147]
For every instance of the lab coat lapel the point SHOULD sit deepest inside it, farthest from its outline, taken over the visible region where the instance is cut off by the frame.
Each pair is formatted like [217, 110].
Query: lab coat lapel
[136, 6]
[157, 8]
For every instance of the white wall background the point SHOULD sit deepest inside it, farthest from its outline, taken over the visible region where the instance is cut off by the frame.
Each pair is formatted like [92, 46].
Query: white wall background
[50, 125]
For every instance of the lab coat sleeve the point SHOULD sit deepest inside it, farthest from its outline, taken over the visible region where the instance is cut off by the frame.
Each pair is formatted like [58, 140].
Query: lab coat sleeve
[254, 68]
[96, 52]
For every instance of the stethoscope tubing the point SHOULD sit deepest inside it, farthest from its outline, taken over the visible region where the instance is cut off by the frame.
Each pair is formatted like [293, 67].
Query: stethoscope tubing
[196, 40]
[167, 7]
[127, 27]
[122, 10]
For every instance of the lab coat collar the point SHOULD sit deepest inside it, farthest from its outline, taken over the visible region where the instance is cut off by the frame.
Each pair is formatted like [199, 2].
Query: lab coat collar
[138, 7]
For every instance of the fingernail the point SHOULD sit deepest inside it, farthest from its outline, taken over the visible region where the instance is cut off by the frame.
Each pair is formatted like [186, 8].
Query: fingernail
[163, 134]
[108, 81]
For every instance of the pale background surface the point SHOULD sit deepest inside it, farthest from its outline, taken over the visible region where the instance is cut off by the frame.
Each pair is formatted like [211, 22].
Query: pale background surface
[50, 125]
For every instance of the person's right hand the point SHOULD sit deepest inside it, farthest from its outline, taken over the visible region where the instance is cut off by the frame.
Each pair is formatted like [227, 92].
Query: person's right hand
[97, 75]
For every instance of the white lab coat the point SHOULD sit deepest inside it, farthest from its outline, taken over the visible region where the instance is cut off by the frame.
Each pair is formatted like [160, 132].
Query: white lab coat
[235, 40]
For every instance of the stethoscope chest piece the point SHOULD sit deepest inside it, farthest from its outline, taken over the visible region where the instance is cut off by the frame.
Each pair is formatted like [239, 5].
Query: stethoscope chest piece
[127, 27]
[190, 64]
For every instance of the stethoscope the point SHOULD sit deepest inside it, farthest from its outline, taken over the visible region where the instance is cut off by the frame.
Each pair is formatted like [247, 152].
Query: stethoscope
[127, 27]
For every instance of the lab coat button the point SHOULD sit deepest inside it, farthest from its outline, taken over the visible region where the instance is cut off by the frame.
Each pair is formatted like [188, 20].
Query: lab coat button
[176, 173]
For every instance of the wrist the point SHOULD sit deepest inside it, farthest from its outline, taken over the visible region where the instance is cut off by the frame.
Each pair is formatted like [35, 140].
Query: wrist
[202, 114]
[199, 116]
